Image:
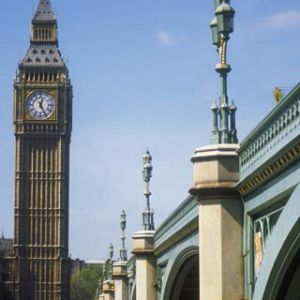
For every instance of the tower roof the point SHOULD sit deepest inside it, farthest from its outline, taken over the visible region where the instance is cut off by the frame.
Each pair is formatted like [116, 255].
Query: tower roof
[44, 11]
[43, 51]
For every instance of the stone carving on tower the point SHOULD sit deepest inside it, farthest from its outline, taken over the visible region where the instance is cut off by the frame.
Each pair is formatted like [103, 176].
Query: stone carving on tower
[42, 123]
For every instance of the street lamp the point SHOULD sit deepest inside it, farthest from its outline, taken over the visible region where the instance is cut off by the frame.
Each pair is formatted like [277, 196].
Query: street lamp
[147, 170]
[215, 32]
[148, 214]
[111, 251]
[221, 28]
[225, 16]
[123, 251]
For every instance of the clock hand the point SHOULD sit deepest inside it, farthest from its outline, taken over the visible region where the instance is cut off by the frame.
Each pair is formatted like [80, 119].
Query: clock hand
[41, 107]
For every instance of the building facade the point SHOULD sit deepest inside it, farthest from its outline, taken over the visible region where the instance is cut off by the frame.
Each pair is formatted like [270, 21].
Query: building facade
[39, 267]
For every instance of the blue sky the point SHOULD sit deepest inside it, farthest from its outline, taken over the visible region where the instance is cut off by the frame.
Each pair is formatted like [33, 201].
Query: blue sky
[143, 75]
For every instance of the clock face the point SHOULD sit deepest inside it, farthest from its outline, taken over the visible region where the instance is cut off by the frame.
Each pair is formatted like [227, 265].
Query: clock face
[39, 105]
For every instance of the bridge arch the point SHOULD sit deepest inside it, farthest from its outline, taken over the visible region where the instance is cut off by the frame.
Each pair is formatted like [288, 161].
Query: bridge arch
[132, 295]
[289, 288]
[281, 265]
[183, 270]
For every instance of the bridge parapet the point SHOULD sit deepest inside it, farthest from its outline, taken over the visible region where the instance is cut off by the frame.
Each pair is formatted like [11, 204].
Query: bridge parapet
[272, 144]
[182, 221]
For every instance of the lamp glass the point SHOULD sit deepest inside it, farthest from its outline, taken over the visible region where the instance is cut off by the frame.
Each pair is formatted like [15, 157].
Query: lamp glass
[225, 21]
[215, 34]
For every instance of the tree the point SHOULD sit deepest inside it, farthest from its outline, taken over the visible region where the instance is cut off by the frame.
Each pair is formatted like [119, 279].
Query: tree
[85, 283]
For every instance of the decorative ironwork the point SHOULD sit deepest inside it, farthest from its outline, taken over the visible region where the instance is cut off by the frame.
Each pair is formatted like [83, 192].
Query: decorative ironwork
[278, 125]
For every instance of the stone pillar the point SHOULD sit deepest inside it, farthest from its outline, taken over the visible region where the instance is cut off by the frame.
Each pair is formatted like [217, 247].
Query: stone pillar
[121, 280]
[108, 290]
[143, 248]
[215, 174]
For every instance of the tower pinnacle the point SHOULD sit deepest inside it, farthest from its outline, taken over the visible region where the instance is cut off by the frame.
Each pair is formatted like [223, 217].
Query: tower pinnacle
[43, 50]
[44, 12]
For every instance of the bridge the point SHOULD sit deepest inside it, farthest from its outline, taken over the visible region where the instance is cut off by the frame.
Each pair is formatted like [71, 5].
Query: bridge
[237, 234]
[269, 176]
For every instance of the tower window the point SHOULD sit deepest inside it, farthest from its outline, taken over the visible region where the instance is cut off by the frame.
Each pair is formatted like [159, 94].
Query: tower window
[37, 59]
[34, 51]
[43, 51]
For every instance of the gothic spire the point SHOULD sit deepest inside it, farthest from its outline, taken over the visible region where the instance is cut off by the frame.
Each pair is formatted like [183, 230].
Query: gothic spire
[43, 50]
[44, 12]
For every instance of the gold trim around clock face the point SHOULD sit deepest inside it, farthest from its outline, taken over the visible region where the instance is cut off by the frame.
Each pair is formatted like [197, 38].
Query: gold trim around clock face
[52, 115]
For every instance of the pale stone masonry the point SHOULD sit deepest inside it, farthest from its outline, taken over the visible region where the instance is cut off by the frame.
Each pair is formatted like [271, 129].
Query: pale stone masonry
[120, 280]
[143, 248]
[215, 173]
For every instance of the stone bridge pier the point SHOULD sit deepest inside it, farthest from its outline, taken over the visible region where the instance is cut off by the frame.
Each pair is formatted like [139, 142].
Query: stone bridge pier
[215, 174]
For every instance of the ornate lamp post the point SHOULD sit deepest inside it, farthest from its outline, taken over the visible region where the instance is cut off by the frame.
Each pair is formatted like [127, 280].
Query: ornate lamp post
[111, 251]
[219, 203]
[148, 214]
[143, 242]
[107, 286]
[123, 251]
[109, 270]
[221, 27]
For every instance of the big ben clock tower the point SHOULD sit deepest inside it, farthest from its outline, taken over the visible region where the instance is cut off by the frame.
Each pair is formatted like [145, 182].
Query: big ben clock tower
[42, 122]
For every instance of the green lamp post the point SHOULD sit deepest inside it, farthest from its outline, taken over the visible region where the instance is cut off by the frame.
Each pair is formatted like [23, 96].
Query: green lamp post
[111, 251]
[123, 251]
[221, 28]
[148, 214]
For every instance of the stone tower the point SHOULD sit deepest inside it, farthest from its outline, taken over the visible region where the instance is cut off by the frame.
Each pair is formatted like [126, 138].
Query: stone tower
[43, 123]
